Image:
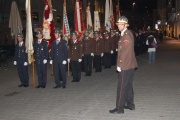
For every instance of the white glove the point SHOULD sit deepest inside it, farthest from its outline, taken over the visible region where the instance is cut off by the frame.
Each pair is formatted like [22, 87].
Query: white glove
[112, 52]
[116, 49]
[25, 63]
[51, 61]
[64, 62]
[102, 54]
[118, 69]
[15, 63]
[79, 60]
[92, 54]
[68, 60]
[44, 61]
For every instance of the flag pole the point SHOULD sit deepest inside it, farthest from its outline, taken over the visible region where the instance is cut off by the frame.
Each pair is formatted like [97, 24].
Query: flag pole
[33, 73]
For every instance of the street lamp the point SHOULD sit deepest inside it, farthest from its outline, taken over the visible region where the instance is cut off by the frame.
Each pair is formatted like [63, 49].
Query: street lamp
[133, 14]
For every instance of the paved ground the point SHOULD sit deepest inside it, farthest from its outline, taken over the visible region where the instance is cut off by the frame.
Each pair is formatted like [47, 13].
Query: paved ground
[156, 86]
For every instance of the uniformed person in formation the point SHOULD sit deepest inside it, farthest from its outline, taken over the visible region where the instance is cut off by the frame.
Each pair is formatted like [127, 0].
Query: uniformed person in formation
[21, 60]
[98, 49]
[107, 50]
[114, 44]
[126, 64]
[75, 56]
[41, 56]
[88, 53]
[58, 58]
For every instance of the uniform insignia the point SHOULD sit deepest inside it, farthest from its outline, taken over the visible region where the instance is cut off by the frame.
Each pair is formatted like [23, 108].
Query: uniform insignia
[126, 42]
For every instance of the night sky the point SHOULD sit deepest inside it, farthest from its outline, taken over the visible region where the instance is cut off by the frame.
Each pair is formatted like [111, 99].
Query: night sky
[140, 6]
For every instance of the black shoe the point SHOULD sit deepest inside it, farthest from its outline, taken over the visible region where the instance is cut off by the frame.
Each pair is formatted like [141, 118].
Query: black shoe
[43, 86]
[64, 87]
[73, 81]
[55, 87]
[26, 85]
[20, 85]
[129, 107]
[115, 111]
[38, 86]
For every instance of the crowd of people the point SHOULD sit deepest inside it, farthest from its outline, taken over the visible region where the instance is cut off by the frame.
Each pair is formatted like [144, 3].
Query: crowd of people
[114, 48]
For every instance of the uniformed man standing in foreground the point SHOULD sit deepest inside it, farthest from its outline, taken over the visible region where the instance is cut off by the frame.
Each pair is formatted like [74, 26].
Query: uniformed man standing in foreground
[41, 56]
[88, 53]
[126, 64]
[58, 58]
[21, 60]
[75, 56]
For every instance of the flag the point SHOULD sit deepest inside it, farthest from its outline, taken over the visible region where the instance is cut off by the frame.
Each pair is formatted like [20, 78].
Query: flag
[117, 12]
[96, 21]
[48, 29]
[88, 17]
[29, 34]
[111, 15]
[78, 21]
[15, 21]
[107, 16]
[66, 30]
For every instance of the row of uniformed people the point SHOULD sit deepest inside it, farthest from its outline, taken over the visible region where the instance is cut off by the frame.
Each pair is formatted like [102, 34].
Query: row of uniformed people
[89, 48]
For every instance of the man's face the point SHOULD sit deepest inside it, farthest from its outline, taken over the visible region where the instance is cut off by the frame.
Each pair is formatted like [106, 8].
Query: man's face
[74, 37]
[87, 34]
[121, 26]
[96, 35]
[39, 36]
[20, 39]
[57, 35]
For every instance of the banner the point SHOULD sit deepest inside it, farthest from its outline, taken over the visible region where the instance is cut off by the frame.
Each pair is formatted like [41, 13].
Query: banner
[48, 23]
[66, 30]
[97, 25]
[107, 16]
[29, 34]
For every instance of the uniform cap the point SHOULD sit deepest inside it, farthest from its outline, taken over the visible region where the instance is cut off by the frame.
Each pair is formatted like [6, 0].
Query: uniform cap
[57, 31]
[86, 31]
[74, 33]
[20, 35]
[39, 32]
[105, 32]
[122, 19]
[96, 32]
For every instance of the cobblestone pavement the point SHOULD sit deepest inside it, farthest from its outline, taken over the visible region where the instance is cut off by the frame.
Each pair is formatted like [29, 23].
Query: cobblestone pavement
[156, 87]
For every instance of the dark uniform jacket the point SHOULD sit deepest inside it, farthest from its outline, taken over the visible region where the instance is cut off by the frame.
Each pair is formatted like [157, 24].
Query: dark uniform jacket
[20, 54]
[40, 51]
[126, 57]
[107, 45]
[59, 51]
[98, 46]
[75, 50]
[114, 42]
[87, 46]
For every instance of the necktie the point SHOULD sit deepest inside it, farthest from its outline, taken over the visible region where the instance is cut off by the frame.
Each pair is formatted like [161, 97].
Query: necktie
[39, 41]
[20, 45]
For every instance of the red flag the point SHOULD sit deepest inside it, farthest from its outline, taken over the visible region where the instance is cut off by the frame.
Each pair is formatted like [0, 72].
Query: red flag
[78, 21]
[48, 23]
[117, 12]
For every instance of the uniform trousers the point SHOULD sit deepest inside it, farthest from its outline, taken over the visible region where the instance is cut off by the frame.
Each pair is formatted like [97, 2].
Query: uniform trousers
[60, 73]
[23, 73]
[41, 70]
[88, 64]
[114, 57]
[97, 62]
[107, 60]
[125, 94]
[76, 70]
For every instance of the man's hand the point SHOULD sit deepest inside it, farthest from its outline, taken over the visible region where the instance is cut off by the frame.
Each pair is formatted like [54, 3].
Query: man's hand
[79, 60]
[15, 63]
[51, 62]
[64, 62]
[102, 54]
[25, 63]
[44, 61]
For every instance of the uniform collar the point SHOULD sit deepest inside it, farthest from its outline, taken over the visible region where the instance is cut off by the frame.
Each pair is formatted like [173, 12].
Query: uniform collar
[122, 32]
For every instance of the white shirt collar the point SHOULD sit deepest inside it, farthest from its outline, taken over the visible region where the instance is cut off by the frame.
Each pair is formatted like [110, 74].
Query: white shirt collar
[122, 32]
